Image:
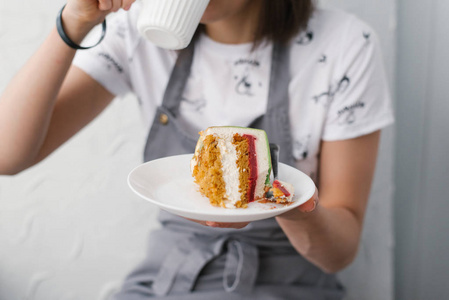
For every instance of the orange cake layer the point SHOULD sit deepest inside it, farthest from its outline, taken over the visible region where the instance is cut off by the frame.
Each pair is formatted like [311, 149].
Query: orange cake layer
[208, 172]
[242, 148]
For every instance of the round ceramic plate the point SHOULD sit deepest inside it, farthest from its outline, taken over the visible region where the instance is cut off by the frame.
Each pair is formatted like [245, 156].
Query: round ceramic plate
[168, 183]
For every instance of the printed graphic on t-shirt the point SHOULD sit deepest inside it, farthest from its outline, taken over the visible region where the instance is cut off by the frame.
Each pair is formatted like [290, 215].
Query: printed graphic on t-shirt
[305, 38]
[197, 104]
[366, 36]
[193, 98]
[347, 115]
[327, 97]
[301, 147]
[323, 59]
[121, 29]
[111, 62]
[245, 83]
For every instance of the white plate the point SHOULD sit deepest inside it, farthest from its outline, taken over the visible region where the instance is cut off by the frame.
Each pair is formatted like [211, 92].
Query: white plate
[167, 182]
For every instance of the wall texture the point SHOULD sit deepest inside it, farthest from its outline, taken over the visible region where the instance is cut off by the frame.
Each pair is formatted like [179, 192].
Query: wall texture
[422, 166]
[71, 229]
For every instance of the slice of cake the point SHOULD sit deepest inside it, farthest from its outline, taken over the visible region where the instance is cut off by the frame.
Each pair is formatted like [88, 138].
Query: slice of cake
[232, 165]
[281, 192]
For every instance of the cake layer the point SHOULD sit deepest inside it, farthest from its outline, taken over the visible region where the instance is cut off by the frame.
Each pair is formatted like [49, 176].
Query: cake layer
[209, 172]
[252, 165]
[245, 163]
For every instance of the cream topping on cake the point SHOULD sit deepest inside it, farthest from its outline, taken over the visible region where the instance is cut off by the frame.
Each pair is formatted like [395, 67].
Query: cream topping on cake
[230, 170]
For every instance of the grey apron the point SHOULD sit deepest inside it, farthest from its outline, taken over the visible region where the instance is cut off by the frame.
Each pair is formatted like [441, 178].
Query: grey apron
[186, 260]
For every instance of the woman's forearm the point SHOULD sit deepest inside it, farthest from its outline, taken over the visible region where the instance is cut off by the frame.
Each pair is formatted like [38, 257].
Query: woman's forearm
[327, 237]
[26, 104]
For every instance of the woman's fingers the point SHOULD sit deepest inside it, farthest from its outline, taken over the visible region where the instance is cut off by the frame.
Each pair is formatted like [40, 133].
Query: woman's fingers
[220, 224]
[226, 225]
[310, 205]
[307, 207]
[126, 5]
[116, 5]
[105, 5]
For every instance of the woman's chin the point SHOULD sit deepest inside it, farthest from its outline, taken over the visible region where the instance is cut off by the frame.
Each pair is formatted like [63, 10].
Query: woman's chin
[207, 20]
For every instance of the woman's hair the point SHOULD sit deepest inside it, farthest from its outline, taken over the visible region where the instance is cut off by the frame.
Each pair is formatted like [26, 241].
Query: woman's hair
[280, 20]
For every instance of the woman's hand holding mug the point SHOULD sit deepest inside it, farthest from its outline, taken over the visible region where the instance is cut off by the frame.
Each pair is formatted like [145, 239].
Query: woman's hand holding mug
[80, 16]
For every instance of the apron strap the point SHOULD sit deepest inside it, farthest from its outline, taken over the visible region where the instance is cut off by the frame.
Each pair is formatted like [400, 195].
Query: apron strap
[184, 263]
[170, 266]
[279, 78]
[241, 267]
[178, 80]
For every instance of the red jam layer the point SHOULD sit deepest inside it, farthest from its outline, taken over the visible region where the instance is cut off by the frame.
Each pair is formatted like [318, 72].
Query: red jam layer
[252, 166]
[279, 186]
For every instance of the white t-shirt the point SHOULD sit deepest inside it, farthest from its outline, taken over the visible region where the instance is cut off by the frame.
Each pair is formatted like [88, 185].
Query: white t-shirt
[338, 88]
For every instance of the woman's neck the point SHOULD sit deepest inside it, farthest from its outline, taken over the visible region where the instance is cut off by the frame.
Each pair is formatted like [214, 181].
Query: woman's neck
[236, 29]
[231, 32]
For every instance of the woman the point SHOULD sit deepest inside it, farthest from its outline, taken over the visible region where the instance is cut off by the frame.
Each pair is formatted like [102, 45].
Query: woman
[312, 79]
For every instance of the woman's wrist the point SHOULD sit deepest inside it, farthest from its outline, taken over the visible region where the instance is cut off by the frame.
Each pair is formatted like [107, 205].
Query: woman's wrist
[75, 28]
[298, 215]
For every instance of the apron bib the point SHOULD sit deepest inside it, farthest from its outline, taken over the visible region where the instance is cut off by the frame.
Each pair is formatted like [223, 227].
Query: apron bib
[186, 260]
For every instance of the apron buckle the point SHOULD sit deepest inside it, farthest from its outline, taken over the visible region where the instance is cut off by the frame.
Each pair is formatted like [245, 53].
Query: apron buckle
[163, 119]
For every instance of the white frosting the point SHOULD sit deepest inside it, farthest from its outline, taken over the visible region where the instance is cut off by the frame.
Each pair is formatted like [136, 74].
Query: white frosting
[193, 163]
[262, 168]
[230, 170]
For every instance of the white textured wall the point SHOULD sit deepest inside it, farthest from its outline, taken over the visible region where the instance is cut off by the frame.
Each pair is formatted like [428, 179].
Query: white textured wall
[71, 229]
[422, 172]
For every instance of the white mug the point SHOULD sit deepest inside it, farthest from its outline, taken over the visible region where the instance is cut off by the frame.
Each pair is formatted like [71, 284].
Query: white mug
[170, 24]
